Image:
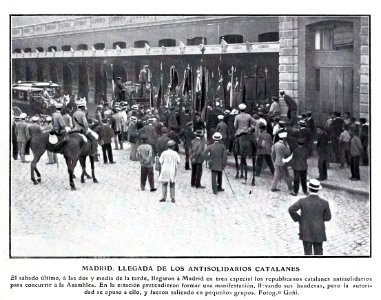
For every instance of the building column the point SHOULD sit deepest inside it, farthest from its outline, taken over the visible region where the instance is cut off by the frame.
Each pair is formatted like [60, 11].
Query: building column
[74, 76]
[364, 68]
[59, 69]
[108, 71]
[91, 81]
[288, 60]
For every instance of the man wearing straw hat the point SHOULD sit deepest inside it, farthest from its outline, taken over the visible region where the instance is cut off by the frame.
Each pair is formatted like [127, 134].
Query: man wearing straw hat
[314, 211]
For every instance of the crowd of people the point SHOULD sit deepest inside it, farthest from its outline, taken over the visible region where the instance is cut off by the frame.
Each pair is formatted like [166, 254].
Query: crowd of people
[154, 135]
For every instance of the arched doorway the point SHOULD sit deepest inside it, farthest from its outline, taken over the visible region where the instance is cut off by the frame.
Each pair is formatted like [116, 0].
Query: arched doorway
[67, 81]
[83, 81]
[140, 44]
[268, 37]
[51, 48]
[100, 83]
[40, 73]
[66, 48]
[28, 73]
[197, 40]
[53, 73]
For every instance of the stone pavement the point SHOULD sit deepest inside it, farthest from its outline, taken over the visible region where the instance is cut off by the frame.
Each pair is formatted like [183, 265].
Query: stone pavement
[115, 218]
[338, 179]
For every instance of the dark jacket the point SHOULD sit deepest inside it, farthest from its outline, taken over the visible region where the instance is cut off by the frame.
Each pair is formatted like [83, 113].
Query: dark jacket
[322, 146]
[299, 158]
[217, 155]
[336, 127]
[105, 134]
[187, 136]
[314, 211]
[264, 143]
[196, 149]
[222, 128]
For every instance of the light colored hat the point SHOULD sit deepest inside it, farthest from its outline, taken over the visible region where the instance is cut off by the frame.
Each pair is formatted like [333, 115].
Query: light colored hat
[35, 119]
[282, 135]
[217, 103]
[234, 112]
[220, 117]
[314, 184]
[217, 136]
[135, 107]
[171, 143]
[242, 106]
[23, 116]
[100, 106]
[133, 118]
[227, 111]
[81, 102]
[48, 119]
[58, 105]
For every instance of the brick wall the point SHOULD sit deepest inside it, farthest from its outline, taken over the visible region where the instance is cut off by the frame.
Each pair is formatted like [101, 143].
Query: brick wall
[288, 58]
[364, 68]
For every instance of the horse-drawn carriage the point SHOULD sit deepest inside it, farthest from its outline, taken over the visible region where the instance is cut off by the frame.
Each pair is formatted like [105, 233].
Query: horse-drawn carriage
[34, 97]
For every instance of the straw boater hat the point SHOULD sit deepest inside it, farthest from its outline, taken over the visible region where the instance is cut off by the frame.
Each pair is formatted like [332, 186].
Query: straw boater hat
[217, 136]
[242, 106]
[314, 184]
[135, 107]
[282, 135]
[220, 117]
[133, 118]
[81, 103]
[35, 119]
[23, 116]
[58, 105]
[302, 123]
[171, 143]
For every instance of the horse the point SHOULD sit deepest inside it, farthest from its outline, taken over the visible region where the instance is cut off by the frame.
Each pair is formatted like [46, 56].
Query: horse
[73, 147]
[245, 147]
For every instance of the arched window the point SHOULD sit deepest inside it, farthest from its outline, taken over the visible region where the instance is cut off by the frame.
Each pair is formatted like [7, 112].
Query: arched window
[40, 49]
[17, 50]
[268, 37]
[121, 45]
[82, 47]
[66, 48]
[28, 50]
[50, 48]
[140, 44]
[232, 38]
[167, 43]
[99, 46]
[197, 40]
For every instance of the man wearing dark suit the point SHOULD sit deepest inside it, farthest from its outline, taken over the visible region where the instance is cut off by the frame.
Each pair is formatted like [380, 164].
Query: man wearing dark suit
[196, 149]
[336, 128]
[314, 211]
[299, 164]
[187, 135]
[322, 152]
[217, 156]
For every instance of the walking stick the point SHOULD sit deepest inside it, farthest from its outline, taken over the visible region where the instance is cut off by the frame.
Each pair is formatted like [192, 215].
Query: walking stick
[227, 178]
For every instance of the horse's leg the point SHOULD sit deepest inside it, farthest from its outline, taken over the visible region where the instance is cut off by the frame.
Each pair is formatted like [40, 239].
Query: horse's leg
[244, 168]
[86, 174]
[93, 169]
[236, 165]
[82, 161]
[70, 167]
[242, 165]
[253, 180]
[33, 167]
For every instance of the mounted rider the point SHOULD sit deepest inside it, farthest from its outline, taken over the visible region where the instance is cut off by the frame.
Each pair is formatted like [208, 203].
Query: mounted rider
[58, 121]
[81, 124]
[243, 122]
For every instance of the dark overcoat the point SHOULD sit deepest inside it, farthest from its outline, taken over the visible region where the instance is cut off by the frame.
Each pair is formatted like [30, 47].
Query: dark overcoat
[314, 211]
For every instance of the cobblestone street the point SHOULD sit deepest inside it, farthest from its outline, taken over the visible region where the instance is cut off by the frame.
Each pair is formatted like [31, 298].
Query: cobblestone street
[115, 218]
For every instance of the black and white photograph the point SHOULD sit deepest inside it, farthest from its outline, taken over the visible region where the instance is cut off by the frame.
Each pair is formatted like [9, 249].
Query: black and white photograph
[192, 135]
[189, 152]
